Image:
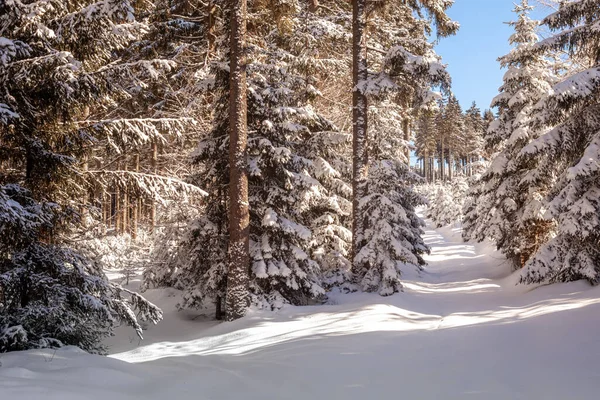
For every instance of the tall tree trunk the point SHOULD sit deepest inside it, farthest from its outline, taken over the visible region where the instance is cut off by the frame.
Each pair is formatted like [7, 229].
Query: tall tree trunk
[443, 162]
[359, 116]
[432, 168]
[125, 228]
[154, 164]
[105, 211]
[450, 164]
[136, 204]
[239, 216]
[118, 221]
[406, 130]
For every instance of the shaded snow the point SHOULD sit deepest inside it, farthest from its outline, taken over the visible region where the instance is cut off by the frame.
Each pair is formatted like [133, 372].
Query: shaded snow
[462, 330]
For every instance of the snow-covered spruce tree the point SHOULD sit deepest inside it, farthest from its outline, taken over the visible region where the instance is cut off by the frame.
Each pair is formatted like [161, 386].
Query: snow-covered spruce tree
[510, 210]
[567, 155]
[52, 68]
[389, 238]
[391, 242]
[296, 192]
[475, 200]
[319, 44]
[145, 131]
[476, 164]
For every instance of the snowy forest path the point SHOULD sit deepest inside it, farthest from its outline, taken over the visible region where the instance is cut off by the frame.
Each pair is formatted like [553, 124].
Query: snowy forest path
[462, 329]
[461, 280]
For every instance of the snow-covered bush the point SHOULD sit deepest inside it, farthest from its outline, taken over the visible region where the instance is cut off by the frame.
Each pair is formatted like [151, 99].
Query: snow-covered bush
[119, 253]
[51, 295]
[446, 201]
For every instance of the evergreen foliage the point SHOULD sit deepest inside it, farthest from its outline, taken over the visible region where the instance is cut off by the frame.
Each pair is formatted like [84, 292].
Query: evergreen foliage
[564, 159]
[511, 205]
[55, 65]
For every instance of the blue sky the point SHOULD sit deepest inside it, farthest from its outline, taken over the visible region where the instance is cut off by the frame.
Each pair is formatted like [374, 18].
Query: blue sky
[472, 54]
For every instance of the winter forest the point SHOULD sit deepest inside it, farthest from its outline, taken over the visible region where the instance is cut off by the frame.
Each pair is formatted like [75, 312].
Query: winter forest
[296, 184]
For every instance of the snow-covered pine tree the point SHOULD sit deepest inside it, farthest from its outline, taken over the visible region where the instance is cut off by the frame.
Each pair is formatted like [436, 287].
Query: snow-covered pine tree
[389, 239]
[510, 210]
[53, 66]
[319, 43]
[296, 192]
[567, 155]
[143, 131]
[391, 243]
[476, 126]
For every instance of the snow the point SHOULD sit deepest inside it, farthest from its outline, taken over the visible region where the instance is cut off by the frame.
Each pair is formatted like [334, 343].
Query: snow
[461, 330]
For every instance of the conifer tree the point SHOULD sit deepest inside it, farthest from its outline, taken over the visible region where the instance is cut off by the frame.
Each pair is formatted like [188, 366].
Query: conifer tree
[388, 239]
[298, 186]
[564, 159]
[54, 65]
[510, 210]
[473, 140]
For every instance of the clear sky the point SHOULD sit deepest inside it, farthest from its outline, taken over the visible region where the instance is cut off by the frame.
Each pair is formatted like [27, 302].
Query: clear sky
[472, 54]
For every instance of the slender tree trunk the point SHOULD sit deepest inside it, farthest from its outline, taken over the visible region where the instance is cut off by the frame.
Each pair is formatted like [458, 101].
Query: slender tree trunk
[239, 216]
[105, 211]
[406, 130]
[450, 164]
[219, 308]
[359, 117]
[154, 164]
[432, 167]
[118, 221]
[136, 204]
[443, 162]
[125, 228]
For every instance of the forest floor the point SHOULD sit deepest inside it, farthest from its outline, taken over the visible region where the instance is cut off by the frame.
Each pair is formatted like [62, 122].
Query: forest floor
[462, 329]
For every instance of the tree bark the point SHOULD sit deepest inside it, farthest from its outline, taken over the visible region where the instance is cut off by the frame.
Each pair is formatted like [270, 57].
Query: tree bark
[236, 302]
[118, 222]
[443, 162]
[154, 164]
[125, 227]
[426, 166]
[359, 117]
[450, 164]
[136, 204]
[406, 130]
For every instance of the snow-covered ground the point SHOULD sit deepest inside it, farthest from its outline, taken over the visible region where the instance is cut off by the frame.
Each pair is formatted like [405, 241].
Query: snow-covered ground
[462, 330]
